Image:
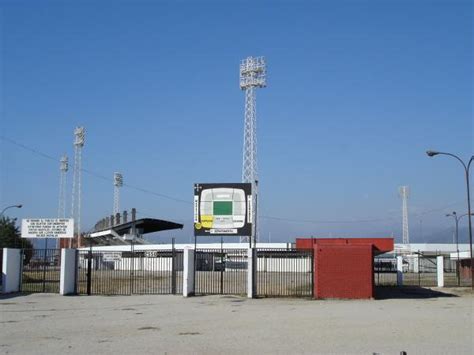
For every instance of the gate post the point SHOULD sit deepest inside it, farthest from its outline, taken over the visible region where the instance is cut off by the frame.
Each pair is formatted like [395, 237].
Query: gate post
[89, 270]
[173, 268]
[188, 272]
[399, 270]
[251, 272]
[440, 270]
[67, 283]
[416, 264]
[11, 267]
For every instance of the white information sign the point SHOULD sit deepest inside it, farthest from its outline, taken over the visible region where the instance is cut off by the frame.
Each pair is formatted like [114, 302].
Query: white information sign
[114, 256]
[47, 228]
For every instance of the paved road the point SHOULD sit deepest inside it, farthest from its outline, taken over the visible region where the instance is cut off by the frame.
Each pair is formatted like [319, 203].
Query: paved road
[418, 324]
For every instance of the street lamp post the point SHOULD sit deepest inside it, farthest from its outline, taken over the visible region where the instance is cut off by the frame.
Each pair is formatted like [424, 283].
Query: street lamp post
[12, 206]
[432, 153]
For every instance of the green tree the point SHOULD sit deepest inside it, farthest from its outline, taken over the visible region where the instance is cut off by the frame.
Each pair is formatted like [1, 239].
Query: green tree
[10, 234]
[10, 237]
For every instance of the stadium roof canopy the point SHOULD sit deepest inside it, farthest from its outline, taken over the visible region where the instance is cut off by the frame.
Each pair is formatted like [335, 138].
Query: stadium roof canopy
[146, 225]
[117, 234]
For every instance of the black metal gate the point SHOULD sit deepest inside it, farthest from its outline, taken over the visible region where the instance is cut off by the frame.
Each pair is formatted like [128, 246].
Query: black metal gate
[40, 271]
[385, 271]
[285, 273]
[130, 272]
[420, 270]
[451, 273]
[220, 272]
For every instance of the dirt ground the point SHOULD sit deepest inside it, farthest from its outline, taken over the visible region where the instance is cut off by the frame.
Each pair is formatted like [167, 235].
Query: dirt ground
[418, 321]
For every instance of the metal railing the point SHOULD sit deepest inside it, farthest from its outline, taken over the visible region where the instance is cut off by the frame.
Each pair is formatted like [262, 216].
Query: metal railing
[285, 273]
[130, 272]
[40, 270]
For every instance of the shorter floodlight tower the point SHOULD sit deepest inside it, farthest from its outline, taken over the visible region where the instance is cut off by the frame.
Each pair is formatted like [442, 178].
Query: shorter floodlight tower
[118, 183]
[63, 168]
[404, 192]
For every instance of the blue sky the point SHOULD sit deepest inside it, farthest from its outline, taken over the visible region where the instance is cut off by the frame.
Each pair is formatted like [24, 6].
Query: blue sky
[357, 91]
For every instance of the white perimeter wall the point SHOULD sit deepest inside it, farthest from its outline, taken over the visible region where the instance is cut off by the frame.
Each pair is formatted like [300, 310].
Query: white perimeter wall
[139, 264]
[144, 264]
[141, 247]
[165, 264]
[283, 265]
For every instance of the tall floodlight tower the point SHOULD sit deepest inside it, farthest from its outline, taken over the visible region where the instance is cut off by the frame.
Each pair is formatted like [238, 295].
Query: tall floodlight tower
[79, 138]
[252, 76]
[118, 183]
[404, 193]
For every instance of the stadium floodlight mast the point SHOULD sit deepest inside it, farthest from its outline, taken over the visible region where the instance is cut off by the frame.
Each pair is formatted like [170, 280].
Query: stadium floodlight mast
[79, 140]
[404, 192]
[432, 153]
[63, 169]
[252, 76]
[118, 183]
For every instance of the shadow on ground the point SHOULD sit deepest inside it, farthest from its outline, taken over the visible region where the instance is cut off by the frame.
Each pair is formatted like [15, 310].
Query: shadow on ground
[409, 292]
[6, 296]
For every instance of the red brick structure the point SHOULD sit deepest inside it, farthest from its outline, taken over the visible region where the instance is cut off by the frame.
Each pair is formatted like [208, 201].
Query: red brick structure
[465, 269]
[344, 267]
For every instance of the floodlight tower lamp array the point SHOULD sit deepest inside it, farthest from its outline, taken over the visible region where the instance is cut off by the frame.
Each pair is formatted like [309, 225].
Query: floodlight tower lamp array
[118, 183]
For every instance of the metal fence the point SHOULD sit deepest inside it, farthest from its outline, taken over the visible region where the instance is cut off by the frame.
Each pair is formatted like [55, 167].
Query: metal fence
[285, 273]
[418, 270]
[130, 272]
[40, 271]
[221, 271]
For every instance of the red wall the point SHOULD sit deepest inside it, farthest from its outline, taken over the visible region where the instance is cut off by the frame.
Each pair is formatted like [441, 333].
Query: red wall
[465, 269]
[343, 271]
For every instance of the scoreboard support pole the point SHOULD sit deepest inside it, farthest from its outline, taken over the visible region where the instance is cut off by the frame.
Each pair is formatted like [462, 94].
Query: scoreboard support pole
[251, 272]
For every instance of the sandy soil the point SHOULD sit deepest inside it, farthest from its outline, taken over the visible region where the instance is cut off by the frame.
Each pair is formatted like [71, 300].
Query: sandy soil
[414, 321]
